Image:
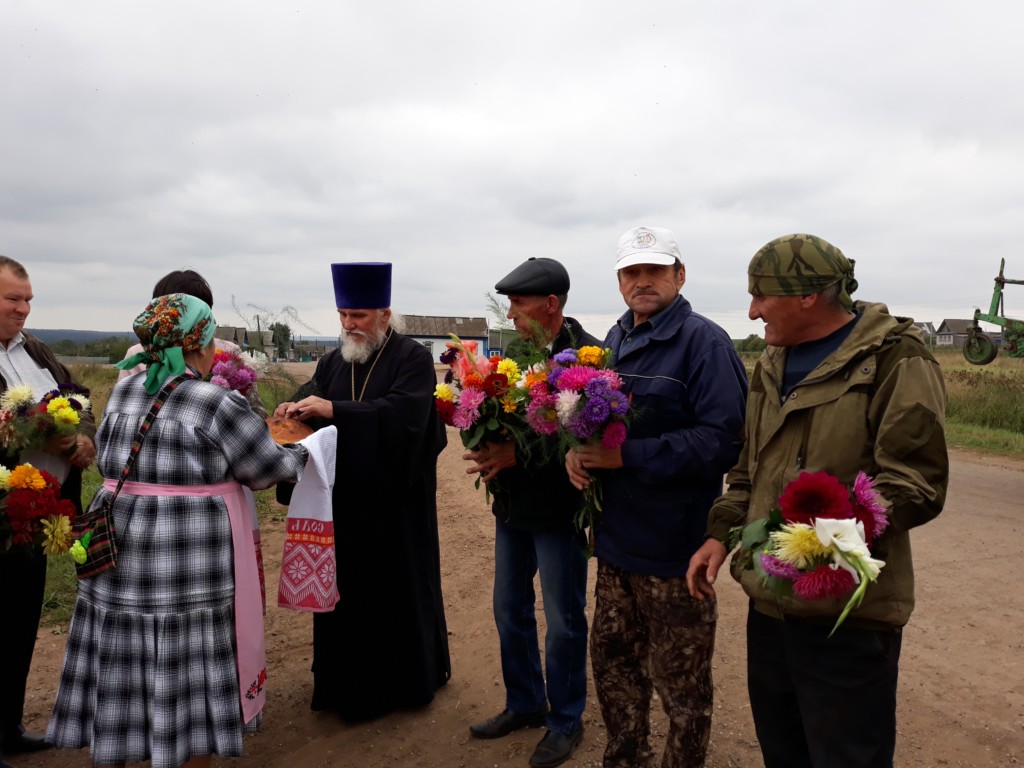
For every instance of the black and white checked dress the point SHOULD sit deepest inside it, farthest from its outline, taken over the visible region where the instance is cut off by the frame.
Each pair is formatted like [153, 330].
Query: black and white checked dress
[149, 672]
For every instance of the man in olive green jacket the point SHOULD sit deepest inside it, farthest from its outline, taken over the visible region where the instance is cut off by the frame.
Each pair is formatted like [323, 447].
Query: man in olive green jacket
[843, 387]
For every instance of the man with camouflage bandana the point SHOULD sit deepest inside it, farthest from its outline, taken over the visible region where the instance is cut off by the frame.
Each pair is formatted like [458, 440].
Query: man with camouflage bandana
[687, 387]
[843, 387]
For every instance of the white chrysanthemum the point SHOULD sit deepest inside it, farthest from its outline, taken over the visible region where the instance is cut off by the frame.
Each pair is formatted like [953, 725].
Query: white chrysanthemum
[82, 400]
[16, 396]
[565, 405]
[256, 360]
[5, 474]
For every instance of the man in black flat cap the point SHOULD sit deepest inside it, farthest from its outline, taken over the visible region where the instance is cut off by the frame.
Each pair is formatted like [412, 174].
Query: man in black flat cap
[534, 506]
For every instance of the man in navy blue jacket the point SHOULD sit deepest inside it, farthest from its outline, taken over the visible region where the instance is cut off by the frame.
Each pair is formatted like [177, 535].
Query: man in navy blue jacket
[688, 392]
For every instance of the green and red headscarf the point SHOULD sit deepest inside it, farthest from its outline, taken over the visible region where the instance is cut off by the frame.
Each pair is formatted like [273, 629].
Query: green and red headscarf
[168, 327]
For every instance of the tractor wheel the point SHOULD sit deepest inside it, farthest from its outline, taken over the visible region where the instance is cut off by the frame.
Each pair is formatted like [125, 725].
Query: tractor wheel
[979, 349]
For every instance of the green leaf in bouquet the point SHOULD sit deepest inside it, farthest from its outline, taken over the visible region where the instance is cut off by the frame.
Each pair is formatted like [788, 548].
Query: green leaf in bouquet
[754, 534]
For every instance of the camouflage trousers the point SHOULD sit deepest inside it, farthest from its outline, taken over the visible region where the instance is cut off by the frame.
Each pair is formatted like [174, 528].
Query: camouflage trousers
[649, 634]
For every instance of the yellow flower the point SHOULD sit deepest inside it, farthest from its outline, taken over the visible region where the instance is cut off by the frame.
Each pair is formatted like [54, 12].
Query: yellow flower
[56, 404]
[5, 475]
[78, 553]
[508, 404]
[798, 544]
[509, 367]
[65, 417]
[15, 396]
[592, 356]
[535, 377]
[26, 476]
[444, 392]
[56, 534]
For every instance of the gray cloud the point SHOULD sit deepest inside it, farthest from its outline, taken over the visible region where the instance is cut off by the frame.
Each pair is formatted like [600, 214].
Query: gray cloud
[258, 142]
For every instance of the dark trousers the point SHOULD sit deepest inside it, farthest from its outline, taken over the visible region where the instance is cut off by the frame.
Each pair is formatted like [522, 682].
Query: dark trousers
[821, 702]
[23, 579]
[649, 634]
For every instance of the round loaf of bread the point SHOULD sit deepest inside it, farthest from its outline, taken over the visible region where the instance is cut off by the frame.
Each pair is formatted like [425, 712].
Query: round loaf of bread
[287, 430]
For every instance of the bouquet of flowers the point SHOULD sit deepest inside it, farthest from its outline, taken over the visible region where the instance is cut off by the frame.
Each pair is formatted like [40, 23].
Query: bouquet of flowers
[580, 399]
[815, 544]
[476, 396]
[234, 370]
[27, 423]
[32, 512]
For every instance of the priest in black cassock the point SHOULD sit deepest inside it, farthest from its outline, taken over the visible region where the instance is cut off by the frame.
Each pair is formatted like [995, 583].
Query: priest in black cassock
[385, 645]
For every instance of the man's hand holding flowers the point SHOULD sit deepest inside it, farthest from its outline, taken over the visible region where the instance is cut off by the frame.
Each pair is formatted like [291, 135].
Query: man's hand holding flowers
[587, 456]
[491, 458]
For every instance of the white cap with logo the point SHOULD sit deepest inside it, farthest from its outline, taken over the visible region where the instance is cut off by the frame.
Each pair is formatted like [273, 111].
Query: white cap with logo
[647, 245]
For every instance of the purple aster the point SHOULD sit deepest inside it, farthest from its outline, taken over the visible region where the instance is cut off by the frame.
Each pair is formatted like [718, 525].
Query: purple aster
[449, 376]
[566, 357]
[779, 569]
[598, 387]
[617, 403]
[580, 427]
[448, 356]
[554, 375]
[596, 409]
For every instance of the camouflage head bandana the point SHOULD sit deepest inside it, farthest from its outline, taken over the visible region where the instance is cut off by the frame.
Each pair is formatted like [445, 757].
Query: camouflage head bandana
[798, 265]
[168, 327]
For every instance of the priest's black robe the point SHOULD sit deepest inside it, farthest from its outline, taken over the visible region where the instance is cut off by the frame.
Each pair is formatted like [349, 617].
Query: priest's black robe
[385, 645]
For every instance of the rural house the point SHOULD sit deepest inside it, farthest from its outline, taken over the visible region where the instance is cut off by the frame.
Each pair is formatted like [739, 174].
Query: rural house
[951, 334]
[433, 331]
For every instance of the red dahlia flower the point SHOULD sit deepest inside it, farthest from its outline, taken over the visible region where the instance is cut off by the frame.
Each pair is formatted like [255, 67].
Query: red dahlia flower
[814, 495]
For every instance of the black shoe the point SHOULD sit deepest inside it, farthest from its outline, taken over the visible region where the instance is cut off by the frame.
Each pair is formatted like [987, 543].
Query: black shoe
[555, 748]
[503, 724]
[23, 741]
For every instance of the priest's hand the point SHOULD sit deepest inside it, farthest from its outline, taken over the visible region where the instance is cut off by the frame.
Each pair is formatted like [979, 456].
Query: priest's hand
[490, 459]
[306, 408]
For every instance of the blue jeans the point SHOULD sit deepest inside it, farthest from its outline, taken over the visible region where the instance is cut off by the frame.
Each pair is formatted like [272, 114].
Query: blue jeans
[563, 581]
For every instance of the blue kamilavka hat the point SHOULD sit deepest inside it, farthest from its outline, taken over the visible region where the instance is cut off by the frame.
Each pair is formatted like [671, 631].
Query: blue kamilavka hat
[362, 285]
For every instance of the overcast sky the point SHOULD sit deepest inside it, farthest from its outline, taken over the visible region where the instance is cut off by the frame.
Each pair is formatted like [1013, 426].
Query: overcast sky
[259, 141]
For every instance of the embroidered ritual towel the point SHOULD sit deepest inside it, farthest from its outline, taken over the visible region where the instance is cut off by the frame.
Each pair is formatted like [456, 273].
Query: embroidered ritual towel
[309, 565]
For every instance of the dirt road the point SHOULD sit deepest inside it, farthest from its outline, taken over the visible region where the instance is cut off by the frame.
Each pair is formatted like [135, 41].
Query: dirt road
[961, 688]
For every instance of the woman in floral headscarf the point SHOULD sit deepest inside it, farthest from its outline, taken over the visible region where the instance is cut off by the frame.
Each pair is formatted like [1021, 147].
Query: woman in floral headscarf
[164, 660]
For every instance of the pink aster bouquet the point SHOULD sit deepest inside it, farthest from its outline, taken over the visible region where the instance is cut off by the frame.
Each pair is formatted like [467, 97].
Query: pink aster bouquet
[477, 395]
[233, 370]
[815, 544]
[32, 512]
[580, 399]
[27, 423]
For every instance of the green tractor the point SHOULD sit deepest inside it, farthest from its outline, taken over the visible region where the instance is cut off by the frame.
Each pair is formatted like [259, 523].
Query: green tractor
[980, 348]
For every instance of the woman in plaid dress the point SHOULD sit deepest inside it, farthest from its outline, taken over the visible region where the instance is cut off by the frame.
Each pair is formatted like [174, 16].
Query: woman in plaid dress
[151, 668]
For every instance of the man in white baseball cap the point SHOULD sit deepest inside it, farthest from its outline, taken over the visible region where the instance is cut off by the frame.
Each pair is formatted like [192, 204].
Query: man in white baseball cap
[688, 391]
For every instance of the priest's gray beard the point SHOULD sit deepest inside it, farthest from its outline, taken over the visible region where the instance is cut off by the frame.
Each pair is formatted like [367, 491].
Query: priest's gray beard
[356, 346]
